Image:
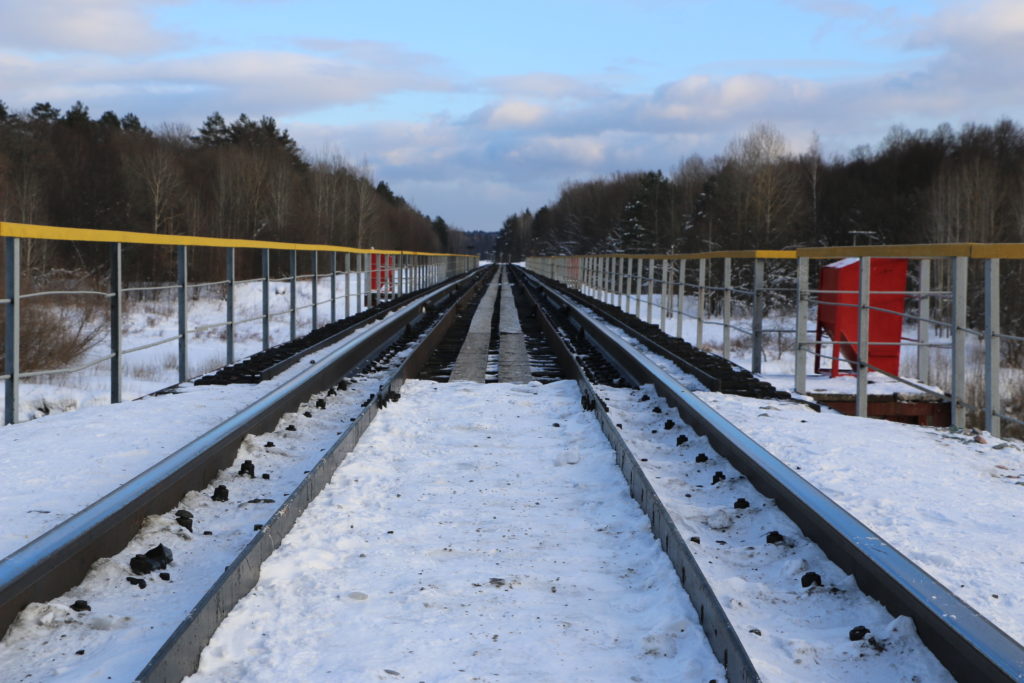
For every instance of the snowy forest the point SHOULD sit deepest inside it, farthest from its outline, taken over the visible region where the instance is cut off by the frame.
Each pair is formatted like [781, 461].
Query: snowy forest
[914, 187]
[244, 179]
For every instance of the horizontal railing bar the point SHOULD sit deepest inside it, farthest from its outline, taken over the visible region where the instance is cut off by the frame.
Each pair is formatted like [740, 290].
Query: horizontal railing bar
[105, 295]
[149, 288]
[65, 371]
[151, 344]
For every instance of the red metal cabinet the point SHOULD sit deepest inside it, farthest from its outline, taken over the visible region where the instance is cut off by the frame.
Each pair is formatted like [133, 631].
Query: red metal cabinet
[837, 311]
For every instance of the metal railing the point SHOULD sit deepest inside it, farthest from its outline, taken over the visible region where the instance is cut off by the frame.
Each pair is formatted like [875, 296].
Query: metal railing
[366, 277]
[751, 294]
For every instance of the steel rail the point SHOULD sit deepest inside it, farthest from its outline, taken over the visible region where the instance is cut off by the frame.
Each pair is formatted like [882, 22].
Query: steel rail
[722, 636]
[967, 644]
[58, 560]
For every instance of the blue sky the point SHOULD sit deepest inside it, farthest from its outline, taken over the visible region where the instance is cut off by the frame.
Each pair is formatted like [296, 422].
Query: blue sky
[475, 110]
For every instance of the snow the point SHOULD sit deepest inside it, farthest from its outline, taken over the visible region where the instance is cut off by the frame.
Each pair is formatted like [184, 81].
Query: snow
[151, 318]
[949, 501]
[505, 545]
[792, 632]
[97, 448]
[127, 625]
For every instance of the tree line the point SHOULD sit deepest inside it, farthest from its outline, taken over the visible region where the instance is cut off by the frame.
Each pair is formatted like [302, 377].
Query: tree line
[917, 186]
[243, 179]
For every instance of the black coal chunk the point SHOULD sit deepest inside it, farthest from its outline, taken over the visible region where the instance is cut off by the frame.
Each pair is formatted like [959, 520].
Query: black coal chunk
[669, 424]
[717, 477]
[247, 469]
[81, 606]
[154, 559]
[701, 457]
[695, 539]
[307, 414]
[656, 409]
[265, 475]
[183, 518]
[141, 583]
[741, 504]
[342, 385]
[858, 632]
[645, 397]
[165, 576]
[290, 428]
[774, 537]
[220, 493]
[332, 392]
[321, 403]
[810, 579]
[681, 439]
[269, 444]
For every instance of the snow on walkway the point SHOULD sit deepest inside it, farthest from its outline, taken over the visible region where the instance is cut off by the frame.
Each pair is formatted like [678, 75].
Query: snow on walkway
[54, 466]
[503, 544]
[948, 501]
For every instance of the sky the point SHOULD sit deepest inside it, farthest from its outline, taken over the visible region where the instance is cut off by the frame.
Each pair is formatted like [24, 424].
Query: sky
[474, 110]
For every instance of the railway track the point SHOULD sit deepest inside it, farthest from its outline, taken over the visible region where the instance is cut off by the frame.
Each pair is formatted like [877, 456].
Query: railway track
[502, 328]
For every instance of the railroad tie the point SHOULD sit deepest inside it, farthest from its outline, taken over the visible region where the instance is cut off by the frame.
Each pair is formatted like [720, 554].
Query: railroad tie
[471, 363]
[513, 360]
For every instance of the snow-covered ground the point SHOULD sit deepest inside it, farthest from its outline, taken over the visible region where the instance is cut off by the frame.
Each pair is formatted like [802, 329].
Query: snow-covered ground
[952, 502]
[503, 546]
[793, 629]
[949, 501]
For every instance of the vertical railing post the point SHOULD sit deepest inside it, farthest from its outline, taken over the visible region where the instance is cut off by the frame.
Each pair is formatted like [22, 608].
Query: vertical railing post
[863, 335]
[360, 264]
[680, 298]
[639, 279]
[666, 293]
[334, 286]
[650, 289]
[620, 279]
[265, 273]
[182, 313]
[606, 280]
[293, 274]
[229, 328]
[702, 278]
[116, 304]
[758, 313]
[12, 328]
[800, 372]
[924, 326]
[958, 398]
[348, 273]
[400, 285]
[316, 278]
[629, 285]
[993, 403]
[726, 307]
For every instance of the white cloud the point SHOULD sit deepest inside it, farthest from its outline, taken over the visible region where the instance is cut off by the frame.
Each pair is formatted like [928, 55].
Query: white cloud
[973, 24]
[539, 129]
[514, 114]
[111, 27]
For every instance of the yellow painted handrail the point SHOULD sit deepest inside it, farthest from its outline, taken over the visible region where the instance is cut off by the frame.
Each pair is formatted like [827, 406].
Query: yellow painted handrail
[46, 232]
[1010, 250]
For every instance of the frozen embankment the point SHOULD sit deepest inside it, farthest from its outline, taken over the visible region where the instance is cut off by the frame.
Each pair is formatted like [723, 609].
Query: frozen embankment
[504, 544]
